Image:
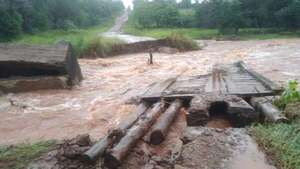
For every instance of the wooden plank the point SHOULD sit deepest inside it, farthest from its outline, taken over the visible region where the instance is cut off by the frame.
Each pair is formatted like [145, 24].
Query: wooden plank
[216, 83]
[157, 89]
[169, 97]
[267, 82]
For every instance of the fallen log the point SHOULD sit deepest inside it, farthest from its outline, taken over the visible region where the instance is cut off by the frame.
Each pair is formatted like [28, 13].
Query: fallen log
[115, 135]
[116, 155]
[269, 111]
[159, 130]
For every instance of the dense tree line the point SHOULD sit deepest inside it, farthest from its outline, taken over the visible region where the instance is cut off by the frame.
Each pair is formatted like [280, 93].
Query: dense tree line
[17, 16]
[222, 14]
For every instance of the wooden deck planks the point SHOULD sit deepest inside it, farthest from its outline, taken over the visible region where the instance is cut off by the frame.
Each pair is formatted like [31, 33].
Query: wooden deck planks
[233, 79]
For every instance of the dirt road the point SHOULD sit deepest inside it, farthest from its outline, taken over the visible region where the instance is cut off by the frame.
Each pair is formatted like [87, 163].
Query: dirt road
[116, 31]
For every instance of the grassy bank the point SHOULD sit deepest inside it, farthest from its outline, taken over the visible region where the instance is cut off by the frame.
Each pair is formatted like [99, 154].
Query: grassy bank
[196, 33]
[19, 156]
[281, 142]
[82, 40]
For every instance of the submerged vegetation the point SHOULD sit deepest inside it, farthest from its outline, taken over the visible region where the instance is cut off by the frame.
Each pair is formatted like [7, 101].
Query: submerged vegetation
[19, 156]
[282, 141]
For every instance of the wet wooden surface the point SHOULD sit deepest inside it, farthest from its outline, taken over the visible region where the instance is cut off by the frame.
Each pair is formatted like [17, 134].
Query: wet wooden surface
[232, 79]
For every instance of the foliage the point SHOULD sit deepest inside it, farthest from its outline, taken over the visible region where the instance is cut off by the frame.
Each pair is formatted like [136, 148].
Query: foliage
[181, 42]
[228, 16]
[281, 141]
[99, 47]
[158, 13]
[291, 94]
[201, 33]
[31, 16]
[10, 24]
[79, 38]
[187, 18]
[19, 156]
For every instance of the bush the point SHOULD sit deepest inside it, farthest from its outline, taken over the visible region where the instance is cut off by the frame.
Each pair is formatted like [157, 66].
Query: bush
[181, 42]
[10, 24]
[290, 95]
[99, 47]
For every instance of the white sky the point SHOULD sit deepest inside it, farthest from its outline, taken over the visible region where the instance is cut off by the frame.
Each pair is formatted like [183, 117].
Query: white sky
[129, 2]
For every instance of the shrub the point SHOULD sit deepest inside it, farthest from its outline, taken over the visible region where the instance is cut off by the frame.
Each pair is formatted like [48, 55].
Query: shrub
[99, 47]
[290, 95]
[181, 42]
[10, 24]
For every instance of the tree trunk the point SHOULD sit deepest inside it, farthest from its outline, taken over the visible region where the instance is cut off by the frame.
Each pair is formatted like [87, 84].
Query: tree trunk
[117, 154]
[115, 135]
[160, 128]
[269, 111]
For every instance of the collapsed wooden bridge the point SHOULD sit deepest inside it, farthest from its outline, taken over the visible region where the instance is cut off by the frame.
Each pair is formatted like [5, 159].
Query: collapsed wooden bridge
[25, 68]
[234, 90]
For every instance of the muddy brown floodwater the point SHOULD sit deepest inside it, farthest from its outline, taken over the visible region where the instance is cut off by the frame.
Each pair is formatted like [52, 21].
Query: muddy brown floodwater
[111, 86]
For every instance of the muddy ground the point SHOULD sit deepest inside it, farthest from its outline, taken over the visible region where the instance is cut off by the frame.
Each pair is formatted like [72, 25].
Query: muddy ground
[112, 85]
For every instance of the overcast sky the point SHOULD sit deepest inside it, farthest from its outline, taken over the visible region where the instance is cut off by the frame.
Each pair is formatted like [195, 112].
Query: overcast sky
[127, 3]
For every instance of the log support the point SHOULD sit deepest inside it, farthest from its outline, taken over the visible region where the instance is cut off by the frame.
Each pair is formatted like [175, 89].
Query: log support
[161, 127]
[117, 154]
[115, 135]
[269, 111]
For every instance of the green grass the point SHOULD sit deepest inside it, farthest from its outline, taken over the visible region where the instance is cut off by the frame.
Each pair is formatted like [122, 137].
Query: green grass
[79, 38]
[164, 32]
[196, 33]
[99, 47]
[19, 156]
[181, 42]
[53, 36]
[281, 142]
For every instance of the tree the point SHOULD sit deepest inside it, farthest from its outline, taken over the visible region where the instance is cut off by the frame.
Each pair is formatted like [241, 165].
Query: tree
[166, 14]
[10, 24]
[185, 4]
[31, 16]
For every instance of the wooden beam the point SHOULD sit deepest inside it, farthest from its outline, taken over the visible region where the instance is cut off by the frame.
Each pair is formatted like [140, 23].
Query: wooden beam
[265, 81]
[117, 154]
[116, 134]
[160, 128]
[270, 112]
